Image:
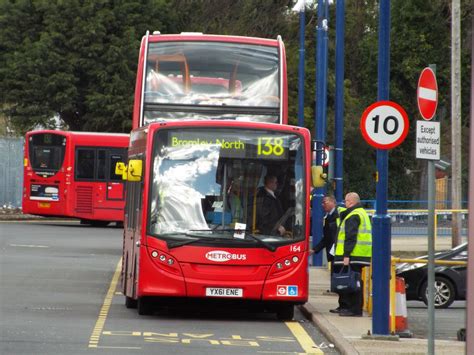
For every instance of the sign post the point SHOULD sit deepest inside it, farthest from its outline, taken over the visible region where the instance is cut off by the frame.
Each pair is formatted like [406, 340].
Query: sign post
[381, 221]
[428, 147]
[384, 125]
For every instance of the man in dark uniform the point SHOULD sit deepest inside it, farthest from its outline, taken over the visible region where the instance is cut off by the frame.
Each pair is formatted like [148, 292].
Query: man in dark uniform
[330, 225]
[269, 209]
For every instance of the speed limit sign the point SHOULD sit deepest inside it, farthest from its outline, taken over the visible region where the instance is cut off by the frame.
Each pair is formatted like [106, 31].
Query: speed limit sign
[384, 124]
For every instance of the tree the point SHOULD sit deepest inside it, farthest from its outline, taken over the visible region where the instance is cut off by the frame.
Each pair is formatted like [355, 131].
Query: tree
[75, 60]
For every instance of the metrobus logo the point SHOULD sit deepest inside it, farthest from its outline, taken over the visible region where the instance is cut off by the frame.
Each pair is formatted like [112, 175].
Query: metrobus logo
[223, 256]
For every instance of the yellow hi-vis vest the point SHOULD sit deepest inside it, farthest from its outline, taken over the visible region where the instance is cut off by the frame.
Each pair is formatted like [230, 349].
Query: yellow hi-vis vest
[363, 247]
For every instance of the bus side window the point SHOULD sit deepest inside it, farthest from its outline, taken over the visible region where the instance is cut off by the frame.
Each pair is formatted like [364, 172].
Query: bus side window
[85, 164]
[133, 206]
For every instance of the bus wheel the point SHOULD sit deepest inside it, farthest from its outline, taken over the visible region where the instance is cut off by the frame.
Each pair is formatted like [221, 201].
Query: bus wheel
[130, 302]
[285, 312]
[143, 306]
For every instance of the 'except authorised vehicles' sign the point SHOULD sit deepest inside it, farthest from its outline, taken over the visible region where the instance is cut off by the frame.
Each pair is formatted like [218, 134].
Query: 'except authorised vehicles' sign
[428, 140]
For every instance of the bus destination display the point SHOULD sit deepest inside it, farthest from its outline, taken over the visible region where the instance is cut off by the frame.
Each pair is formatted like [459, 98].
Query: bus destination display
[246, 146]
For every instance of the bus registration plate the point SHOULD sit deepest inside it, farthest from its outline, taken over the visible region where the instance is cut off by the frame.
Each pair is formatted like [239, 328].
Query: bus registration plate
[44, 205]
[224, 292]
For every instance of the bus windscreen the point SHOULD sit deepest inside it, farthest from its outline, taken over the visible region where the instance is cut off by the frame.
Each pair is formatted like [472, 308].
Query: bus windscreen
[46, 153]
[210, 184]
[212, 80]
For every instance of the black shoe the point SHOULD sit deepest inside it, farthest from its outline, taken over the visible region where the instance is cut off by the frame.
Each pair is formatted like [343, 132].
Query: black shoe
[336, 310]
[347, 313]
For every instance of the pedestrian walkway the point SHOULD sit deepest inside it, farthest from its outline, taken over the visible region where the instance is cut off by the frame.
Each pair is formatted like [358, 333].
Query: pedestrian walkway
[346, 333]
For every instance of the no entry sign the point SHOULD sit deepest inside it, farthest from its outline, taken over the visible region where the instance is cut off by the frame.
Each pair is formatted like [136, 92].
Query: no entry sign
[427, 94]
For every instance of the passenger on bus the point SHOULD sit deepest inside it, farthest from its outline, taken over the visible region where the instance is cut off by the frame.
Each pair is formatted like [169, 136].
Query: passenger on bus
[235, 203]
[269, 209]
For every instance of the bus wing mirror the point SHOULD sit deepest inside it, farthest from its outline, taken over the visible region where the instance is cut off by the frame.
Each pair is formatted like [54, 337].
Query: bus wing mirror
[134, 170]
[121, 169]
[318, 176]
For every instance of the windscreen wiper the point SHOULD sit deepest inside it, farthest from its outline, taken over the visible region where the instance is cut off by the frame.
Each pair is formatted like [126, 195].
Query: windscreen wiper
[270, 247]
[251, 236]
[179, 243]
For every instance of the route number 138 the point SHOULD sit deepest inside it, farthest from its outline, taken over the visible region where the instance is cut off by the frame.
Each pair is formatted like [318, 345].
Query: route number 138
[270, 146]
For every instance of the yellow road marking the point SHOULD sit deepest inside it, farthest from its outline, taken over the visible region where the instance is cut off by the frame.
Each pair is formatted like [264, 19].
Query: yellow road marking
[99, 325]
[303, 338]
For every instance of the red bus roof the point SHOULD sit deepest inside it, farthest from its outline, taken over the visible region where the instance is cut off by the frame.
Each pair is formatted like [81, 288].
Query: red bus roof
[228, 123]
[194, 36]
[89, 138]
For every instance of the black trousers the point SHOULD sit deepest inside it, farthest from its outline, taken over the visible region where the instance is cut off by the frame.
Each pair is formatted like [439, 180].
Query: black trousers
[353, 301]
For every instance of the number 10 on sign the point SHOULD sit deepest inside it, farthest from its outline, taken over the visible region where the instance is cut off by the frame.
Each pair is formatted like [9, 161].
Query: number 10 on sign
[384, 124]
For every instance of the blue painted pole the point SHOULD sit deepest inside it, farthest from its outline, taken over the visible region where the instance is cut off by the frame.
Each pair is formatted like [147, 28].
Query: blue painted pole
[339, 104]
[301, 70]
[381, 244]
[325, 69]
[318, 194]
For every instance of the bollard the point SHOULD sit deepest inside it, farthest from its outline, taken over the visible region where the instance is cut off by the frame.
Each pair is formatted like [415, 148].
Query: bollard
[366, 276]
[401, 319]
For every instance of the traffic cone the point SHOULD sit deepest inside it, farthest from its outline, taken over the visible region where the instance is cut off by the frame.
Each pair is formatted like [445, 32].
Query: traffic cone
[401, 319]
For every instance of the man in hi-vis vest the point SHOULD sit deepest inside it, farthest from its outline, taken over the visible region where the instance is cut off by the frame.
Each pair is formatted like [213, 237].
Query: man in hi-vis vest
[354, 248]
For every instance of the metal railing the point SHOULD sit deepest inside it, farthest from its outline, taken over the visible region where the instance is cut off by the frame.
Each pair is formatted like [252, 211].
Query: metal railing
[414, 223]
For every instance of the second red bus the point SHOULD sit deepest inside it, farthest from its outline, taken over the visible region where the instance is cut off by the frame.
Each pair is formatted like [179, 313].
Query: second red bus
[72, 174]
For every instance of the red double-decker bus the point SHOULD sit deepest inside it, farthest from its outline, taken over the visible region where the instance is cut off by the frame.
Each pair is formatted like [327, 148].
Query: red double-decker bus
[194, 76]
[72, 174]
[193, 208]
[209, 124]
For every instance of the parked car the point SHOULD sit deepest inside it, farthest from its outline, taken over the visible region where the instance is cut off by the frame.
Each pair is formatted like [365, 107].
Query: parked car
[450, 281]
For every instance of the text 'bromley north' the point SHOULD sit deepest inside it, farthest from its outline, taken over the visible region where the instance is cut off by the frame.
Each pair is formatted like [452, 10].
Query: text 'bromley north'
[238, 144]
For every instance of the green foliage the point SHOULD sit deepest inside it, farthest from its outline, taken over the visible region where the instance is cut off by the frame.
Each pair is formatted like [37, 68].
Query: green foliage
[74, 59]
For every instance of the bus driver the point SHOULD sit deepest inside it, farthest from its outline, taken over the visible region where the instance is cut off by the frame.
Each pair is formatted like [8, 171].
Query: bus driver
[269, 209]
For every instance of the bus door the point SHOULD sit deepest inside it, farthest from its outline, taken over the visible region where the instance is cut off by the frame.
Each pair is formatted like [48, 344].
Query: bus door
[115, 185]
[86, 171]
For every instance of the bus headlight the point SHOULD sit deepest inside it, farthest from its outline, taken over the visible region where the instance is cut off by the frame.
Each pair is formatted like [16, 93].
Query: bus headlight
[284, 266]
[164, 261]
